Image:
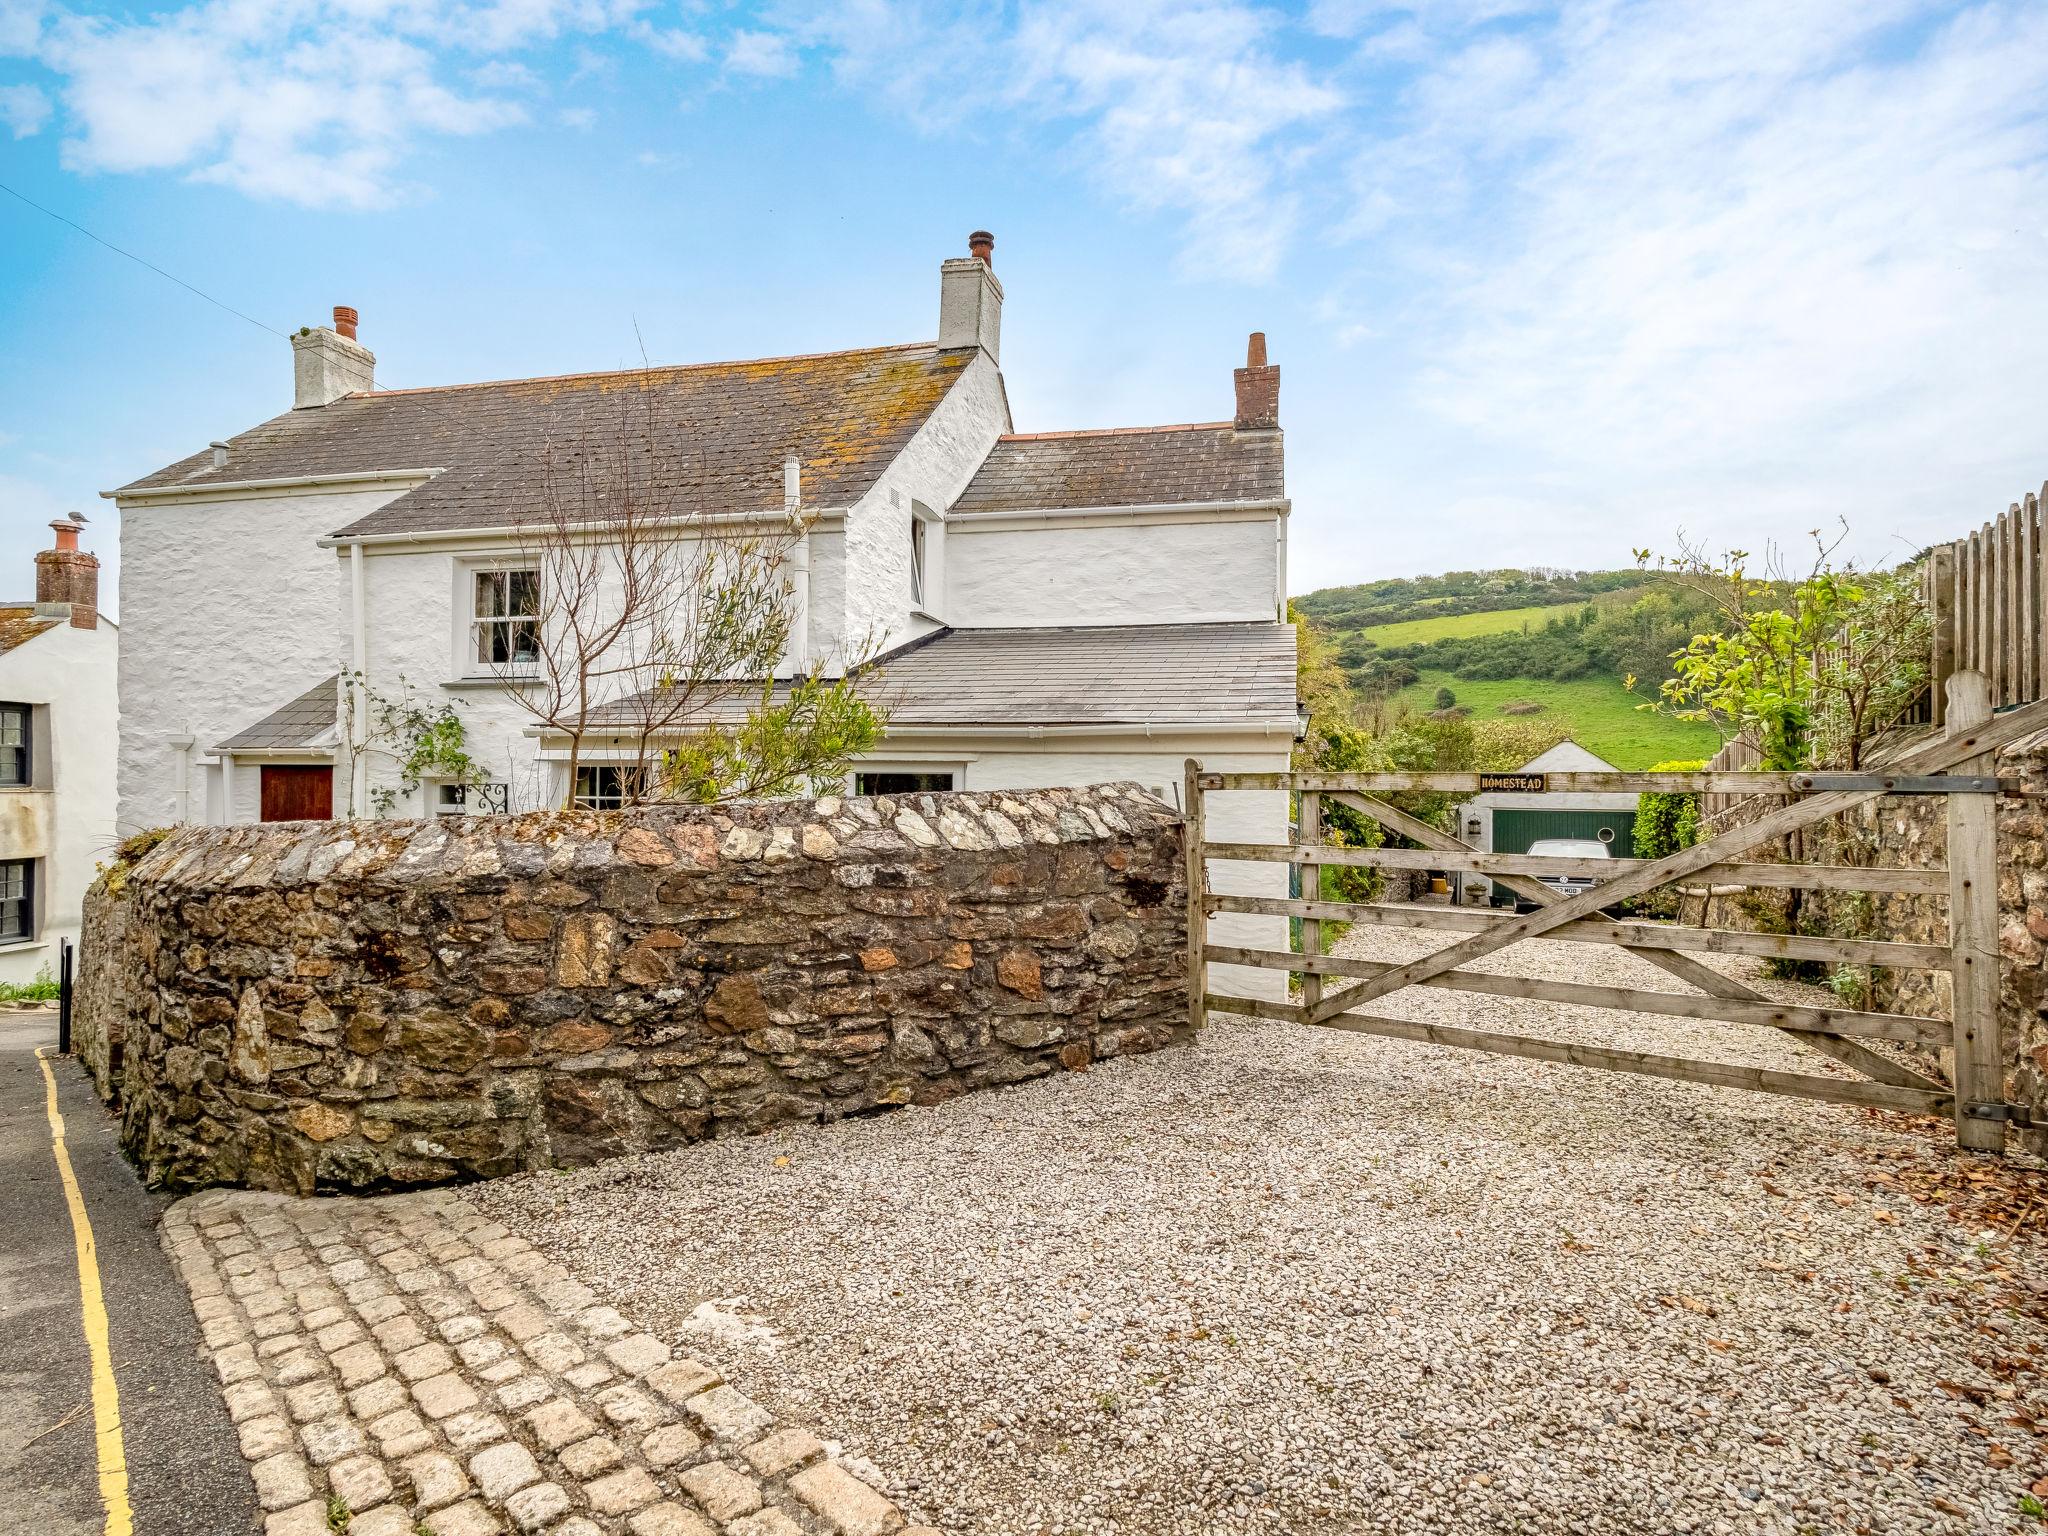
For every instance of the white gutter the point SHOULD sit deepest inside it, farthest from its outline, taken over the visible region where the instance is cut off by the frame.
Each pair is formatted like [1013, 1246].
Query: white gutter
[1145, 728]
[519, 530]
[1279, 506]
[218, 488]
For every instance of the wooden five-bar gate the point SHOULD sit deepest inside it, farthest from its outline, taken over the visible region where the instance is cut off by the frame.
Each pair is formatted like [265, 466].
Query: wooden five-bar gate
[1959, 765]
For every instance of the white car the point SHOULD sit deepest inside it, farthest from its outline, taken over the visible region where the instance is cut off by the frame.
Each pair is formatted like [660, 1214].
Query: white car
[1566, 848]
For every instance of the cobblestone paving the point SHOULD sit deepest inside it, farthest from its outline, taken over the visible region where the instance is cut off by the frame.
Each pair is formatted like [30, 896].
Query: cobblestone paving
[407, 1367]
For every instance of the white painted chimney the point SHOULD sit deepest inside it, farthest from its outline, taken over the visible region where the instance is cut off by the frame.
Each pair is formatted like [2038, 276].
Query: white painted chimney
[971, 300]
[329, 363]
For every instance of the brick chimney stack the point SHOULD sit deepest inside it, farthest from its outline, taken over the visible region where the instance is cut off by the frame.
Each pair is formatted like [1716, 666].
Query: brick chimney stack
[1258, 388]
[68, 578]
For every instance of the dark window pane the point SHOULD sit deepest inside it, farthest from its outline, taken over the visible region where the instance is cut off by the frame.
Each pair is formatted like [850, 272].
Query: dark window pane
[901, 783]
[608, 788]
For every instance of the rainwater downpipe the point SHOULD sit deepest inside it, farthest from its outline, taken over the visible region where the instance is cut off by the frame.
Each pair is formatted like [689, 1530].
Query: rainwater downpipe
[359, 663]
[800, 569]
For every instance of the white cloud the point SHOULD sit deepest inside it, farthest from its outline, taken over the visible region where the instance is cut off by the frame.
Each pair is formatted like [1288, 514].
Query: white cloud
[582, 119]
[1753, 262]
[1191, 110]
[767, 55]
[23, 110]
[311, 101]
[674, 43]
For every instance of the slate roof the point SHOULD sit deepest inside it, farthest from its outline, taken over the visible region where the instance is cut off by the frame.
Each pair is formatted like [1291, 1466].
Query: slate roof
[1128, 466]
[1198, 675]
[306, 724]
[713, 436]
[20, 624]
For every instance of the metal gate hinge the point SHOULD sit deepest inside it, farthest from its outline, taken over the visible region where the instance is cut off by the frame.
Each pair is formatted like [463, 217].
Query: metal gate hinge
[1903, 783]
[2013, 1114]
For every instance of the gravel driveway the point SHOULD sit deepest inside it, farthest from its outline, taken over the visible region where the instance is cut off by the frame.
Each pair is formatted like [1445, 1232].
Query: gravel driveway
[1290, 1280]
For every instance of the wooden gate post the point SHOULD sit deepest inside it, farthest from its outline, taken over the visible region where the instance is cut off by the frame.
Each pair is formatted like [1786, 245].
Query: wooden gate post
[1198, 882]
[1308, 832]
[1973, 926]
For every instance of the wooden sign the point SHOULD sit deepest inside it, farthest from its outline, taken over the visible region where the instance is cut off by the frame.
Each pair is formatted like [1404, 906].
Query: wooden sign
[1514, 783]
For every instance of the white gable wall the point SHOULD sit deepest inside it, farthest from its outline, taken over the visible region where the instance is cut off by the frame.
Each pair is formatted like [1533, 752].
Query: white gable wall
[227, 611]
[933, 469]
[1011, 571]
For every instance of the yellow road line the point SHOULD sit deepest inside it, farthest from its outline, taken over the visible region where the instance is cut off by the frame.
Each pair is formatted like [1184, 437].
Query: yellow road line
[106, 1396]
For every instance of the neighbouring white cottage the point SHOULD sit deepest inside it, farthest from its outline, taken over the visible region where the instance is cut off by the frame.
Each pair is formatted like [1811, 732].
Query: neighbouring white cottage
[1050, 607]
[58, 743]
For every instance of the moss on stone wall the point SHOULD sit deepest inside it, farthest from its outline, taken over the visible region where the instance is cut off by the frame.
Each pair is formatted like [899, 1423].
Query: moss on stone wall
[353, 1006]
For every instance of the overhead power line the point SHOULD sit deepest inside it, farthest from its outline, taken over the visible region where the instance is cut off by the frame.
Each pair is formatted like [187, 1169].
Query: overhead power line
[140, 261]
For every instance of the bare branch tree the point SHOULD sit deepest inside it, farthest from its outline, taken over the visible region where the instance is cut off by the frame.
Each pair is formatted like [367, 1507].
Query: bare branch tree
[637, 618]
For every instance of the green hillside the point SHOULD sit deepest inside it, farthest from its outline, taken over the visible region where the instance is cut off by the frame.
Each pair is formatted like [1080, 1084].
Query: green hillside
[1597, 713]
[1454, 626]
[1560, 640]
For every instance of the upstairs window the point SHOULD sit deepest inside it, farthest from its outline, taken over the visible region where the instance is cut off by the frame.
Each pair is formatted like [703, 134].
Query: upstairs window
[505, 617]
[608, 787]
[17, 768]
[17, 900]
[918, 547]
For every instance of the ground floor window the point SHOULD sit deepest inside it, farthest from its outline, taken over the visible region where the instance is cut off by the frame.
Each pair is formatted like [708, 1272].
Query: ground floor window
[607, 787]
[17, 900]
[471, 799]
[896, 781]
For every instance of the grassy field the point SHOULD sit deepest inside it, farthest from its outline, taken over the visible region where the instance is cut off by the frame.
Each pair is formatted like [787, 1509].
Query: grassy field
[1600, 715]
[1458, 626]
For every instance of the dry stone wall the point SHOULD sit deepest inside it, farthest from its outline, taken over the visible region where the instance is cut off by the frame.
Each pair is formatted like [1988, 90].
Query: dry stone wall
[352, 1006]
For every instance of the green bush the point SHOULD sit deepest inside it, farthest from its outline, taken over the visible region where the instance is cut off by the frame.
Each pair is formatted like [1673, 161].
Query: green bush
[1666, 821]
[43, 989]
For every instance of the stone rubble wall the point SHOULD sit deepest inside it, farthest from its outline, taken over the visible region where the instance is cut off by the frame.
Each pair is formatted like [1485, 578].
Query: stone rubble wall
[1912, 831]
[371, 1005]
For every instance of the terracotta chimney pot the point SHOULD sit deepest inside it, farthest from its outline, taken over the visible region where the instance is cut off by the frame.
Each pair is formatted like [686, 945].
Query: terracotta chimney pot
[345, 321]
[982, 246]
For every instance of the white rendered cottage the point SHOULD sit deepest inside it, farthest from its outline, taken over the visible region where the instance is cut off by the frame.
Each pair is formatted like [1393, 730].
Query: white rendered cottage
[1051, 608]
[57, 748]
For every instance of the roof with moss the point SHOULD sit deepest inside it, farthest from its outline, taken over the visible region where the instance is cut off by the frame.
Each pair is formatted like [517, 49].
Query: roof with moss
[1210, 461]
[20, 623]
[708, 438]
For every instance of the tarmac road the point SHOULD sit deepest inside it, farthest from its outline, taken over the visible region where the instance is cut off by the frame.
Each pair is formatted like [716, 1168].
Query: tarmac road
[186, 1476]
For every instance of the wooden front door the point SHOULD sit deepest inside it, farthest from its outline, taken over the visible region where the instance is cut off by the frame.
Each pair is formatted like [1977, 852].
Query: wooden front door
[295, 793]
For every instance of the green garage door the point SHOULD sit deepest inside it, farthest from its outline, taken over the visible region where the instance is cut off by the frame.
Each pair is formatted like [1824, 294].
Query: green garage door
[1514, 831]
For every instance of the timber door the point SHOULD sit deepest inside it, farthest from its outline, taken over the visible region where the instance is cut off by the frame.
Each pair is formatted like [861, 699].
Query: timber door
[297, 792]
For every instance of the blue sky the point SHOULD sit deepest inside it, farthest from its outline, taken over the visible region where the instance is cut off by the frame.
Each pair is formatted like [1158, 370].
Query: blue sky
[1547, 282]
